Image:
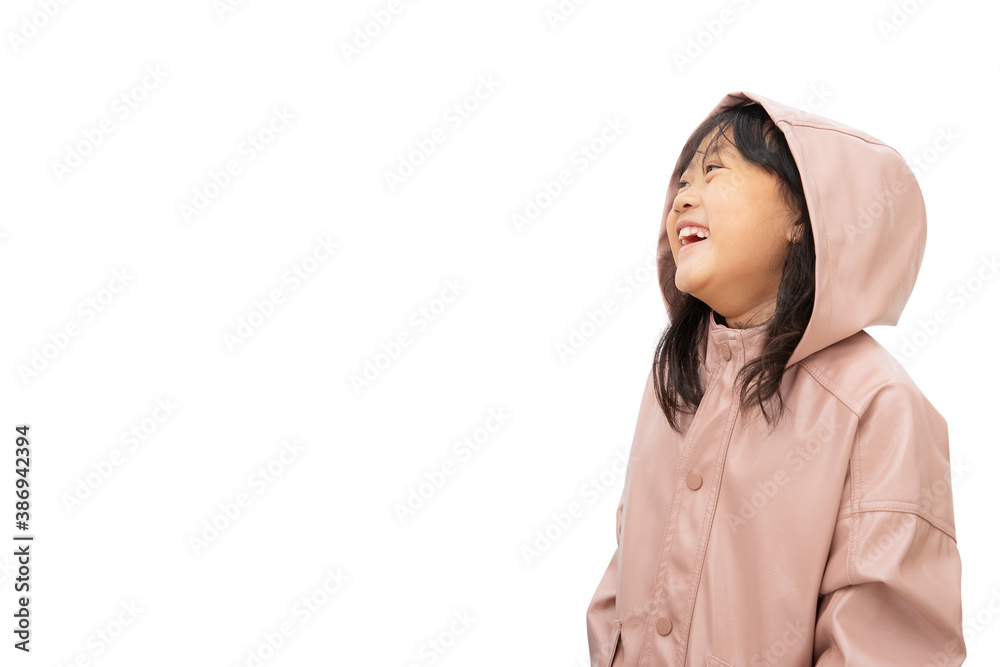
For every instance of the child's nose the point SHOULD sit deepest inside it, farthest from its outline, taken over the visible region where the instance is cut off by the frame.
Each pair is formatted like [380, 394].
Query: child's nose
[685, 199]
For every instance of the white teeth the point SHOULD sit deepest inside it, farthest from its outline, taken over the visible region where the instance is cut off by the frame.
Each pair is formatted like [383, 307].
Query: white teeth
[688, 231]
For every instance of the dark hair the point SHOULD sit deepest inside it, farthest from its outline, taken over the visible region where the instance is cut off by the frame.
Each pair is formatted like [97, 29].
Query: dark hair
[761, 143]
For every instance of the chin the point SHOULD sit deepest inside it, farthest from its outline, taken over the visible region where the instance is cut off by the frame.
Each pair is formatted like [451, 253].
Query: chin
[685, 286]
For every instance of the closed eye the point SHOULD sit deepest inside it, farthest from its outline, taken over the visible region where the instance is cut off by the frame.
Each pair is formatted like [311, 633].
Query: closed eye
[682, 183]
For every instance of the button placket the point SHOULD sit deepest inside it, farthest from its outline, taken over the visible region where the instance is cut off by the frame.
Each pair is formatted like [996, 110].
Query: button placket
[674, 605]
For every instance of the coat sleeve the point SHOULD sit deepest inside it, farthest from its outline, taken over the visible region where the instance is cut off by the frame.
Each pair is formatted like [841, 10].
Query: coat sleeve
[891, 590]
[601, 613]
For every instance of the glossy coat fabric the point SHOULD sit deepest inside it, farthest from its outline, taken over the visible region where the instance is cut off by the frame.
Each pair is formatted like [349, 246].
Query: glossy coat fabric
[831, 540]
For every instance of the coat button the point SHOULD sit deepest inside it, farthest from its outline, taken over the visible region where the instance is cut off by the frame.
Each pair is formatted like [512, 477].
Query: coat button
[663, 626]
[694, 481]
[727, 354]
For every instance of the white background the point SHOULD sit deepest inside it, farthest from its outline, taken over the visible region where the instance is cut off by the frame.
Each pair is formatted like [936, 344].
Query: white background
[187, 284]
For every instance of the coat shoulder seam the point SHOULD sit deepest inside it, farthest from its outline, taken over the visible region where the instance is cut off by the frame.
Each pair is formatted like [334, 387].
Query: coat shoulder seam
[830, 385]
[894, 506]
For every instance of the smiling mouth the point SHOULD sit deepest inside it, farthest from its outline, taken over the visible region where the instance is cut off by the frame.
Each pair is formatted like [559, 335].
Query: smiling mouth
[691, 234]
[691, 240]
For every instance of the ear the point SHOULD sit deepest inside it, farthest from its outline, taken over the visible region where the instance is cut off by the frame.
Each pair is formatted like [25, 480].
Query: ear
[795, 235]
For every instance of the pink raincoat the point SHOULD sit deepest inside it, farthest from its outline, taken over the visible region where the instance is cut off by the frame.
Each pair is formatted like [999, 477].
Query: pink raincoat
[830, 541]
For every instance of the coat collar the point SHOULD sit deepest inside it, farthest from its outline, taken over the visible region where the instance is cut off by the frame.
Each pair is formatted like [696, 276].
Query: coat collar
[727, 346]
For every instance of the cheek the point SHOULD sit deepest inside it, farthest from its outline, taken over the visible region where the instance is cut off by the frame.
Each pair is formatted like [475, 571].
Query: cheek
[737, 189]
[770, 248]
[747, 251]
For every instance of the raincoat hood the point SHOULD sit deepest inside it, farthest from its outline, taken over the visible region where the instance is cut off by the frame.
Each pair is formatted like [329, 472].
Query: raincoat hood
[868, 221]
[828, 541]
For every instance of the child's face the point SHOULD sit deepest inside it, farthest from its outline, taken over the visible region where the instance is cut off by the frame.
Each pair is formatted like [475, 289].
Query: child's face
[737, 269]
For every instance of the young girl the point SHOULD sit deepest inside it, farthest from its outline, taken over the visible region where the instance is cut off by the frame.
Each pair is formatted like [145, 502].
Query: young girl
[788, 494]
